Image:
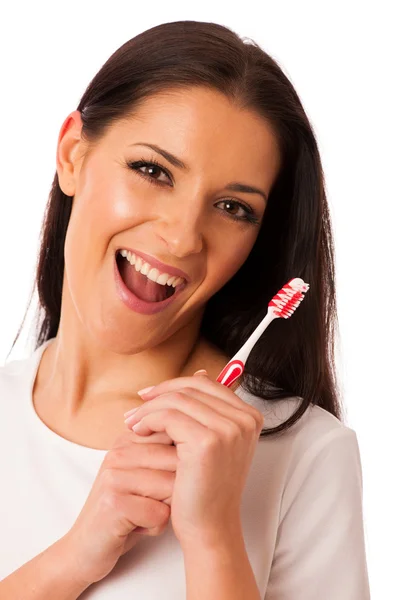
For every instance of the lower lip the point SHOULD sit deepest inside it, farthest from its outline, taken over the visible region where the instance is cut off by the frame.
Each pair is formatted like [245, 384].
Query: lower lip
[138, 305]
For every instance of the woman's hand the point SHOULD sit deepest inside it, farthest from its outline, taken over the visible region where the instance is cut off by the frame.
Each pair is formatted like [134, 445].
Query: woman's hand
[131, 493]
[215, 434]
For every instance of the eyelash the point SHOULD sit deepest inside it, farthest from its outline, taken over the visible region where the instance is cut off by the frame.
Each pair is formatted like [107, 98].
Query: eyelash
[135, 166]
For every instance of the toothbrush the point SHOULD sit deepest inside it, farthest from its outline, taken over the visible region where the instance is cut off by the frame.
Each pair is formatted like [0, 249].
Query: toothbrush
[283, 304]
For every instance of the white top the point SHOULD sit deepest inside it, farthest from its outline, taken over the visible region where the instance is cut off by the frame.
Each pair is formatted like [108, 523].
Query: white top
[301, 507]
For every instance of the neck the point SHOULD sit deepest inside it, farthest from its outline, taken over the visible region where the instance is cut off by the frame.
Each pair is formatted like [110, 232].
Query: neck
[83, 387]
[82, 375]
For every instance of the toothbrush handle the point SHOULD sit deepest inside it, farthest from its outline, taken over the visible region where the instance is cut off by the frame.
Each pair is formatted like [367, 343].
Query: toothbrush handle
[231, 372]
[235, 366]
[283, 302]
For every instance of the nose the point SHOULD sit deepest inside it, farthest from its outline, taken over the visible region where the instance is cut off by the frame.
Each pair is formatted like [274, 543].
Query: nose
[181, 230]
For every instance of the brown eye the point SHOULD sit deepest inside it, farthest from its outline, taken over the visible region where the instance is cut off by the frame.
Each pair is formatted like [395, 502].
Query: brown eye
[154, 170]
[236, 206]
[247, 213]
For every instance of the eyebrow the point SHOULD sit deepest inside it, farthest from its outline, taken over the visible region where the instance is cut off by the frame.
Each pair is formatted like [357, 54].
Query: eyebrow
[174, 160]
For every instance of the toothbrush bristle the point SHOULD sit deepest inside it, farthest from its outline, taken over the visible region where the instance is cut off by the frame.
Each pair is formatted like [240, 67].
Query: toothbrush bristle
[285, 302]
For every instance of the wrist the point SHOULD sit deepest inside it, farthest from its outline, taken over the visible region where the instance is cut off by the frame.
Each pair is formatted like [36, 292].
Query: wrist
[220, 569]
[219, 539]
[65, 566]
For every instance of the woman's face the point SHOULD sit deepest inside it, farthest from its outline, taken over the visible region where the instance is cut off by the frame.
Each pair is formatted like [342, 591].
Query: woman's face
[186, 217]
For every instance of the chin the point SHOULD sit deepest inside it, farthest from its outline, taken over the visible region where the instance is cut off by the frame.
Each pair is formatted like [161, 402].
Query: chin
[117, 337]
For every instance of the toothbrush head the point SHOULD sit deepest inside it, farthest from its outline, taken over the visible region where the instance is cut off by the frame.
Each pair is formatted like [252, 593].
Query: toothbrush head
[285, 302]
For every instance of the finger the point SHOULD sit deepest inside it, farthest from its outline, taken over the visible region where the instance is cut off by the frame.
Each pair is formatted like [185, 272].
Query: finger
[132, 410]
[156, 438]
[235, 411]
[200, 407]
[202, 383]
[148, 456]
[156, 484]
[177, 425]
[128, 437]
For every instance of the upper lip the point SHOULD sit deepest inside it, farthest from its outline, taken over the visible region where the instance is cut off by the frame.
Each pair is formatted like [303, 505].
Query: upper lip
[154, 262]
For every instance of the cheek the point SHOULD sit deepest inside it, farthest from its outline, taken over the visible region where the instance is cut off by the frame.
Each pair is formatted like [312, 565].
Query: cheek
[87, 240]
[117, 207]
[228, 258]
[111, 207]
[77, 250]
[103, 209]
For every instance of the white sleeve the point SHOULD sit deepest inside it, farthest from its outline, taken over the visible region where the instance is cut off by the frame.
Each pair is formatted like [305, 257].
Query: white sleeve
[320, 548]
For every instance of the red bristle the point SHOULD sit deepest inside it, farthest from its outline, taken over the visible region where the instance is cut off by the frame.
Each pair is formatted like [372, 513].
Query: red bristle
[290, 304]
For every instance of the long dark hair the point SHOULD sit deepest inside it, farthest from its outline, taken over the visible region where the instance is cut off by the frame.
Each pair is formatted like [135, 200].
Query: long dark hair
[294, 357]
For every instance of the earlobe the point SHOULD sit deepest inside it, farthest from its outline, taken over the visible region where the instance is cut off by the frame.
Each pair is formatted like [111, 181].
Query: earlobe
[68, 147]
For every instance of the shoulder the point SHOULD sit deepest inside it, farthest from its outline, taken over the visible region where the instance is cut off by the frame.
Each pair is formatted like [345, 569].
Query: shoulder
[14, 373]
[315, 426]
[310, 481]
[325, 461]
[12, 368]
[316, 442]
[312, 474]
[14, 382]
[318, 431]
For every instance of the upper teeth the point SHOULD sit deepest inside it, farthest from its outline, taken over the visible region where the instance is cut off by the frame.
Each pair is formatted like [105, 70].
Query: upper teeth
[151, 272]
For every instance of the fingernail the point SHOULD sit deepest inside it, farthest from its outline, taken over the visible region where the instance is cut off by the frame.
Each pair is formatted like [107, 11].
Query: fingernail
[201, 371]
[131, 412]
[145, 390]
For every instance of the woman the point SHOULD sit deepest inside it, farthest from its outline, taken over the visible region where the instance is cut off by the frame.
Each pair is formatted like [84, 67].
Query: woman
[189, 153]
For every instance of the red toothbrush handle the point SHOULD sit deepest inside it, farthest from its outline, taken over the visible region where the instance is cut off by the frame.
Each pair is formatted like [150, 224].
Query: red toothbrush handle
[231, 372]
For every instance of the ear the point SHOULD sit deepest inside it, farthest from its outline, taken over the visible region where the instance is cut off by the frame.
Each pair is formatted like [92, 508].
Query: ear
[69, 148]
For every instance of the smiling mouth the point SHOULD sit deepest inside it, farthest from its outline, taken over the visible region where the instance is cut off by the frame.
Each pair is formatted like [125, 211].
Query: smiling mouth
[140, 285]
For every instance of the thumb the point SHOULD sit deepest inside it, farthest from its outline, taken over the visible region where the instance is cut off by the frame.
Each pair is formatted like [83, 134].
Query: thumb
[201, 372]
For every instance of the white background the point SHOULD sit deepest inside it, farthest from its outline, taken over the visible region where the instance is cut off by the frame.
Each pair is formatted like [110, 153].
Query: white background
[343, 60]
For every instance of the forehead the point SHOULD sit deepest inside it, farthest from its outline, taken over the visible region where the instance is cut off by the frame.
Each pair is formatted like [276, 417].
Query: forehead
[202, 125]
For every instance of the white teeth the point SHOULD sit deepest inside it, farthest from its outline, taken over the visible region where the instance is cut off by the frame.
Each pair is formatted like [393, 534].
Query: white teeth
[145, 268]
[153, 274]
[177, 281]
[138, 263]
[150, 272]
[170, 280]
[162, 279]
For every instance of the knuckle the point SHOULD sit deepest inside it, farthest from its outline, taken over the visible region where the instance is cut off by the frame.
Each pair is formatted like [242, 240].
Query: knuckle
[233, 432]
[122, 439]
[250, 423]
[170, 412]
[109, 478]
[209, 442]
[157, 512]
[185, 391]
[114, 457]
[163, 512]
[259, 419]
[257, 416]
[163, 515]
[111, 501]
[180, 394]
[154, 531]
